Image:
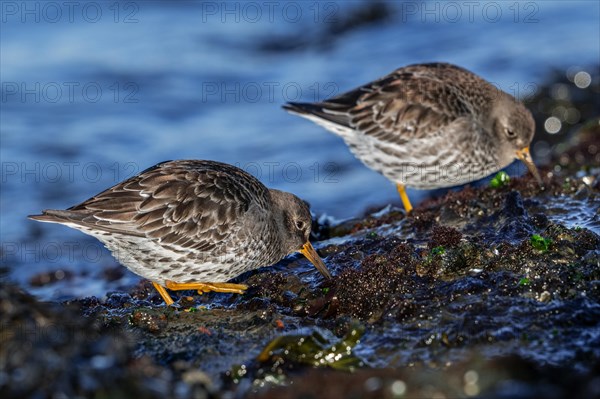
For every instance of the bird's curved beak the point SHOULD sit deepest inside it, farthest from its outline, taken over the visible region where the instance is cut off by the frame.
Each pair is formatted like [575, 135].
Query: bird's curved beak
[310, 253]
[525, 156]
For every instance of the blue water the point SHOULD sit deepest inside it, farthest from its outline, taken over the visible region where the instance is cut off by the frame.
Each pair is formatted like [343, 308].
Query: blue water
[98, 92]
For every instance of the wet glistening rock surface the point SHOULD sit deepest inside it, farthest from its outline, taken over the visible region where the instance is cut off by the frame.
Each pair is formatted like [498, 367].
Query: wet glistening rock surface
[482, 291]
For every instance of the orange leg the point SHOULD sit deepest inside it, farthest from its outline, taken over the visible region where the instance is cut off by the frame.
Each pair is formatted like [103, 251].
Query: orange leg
[164, 294]
[200, 287]
[404, 197]
[207, 287]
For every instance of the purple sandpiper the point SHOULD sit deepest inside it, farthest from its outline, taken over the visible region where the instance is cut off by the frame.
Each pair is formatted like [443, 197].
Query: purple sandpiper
[428, 126]
[194, 225]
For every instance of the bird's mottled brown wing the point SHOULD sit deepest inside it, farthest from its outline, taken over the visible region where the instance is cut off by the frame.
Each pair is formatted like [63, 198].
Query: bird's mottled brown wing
[194, 204]
[411, 102]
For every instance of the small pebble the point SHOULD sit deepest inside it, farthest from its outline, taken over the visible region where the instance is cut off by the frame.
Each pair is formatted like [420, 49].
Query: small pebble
[545, 297]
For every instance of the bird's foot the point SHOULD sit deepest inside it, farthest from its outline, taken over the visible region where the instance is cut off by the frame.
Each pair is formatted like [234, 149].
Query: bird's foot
[200, 287]
[208, 287]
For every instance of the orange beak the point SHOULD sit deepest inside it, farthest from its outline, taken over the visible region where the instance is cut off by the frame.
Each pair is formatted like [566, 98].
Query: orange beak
[525, 156]
[310, 253]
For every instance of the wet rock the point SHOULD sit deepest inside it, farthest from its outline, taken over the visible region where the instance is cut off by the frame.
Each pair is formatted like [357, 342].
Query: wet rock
[505, 377]
[513, 207]
[50, 350]
[365, 292]
[118, 300]
[46, 278]
[539, 221]
[442, 236]
[149, 320]
[483, 292]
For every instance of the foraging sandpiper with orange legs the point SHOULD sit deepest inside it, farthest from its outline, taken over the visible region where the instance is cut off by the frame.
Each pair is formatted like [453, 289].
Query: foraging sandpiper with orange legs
[194, 225]
[428, 126]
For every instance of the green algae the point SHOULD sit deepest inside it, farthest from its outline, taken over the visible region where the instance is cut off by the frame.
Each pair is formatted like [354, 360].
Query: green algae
[500, 180]
[524, 281]
[296, 351]
[439, 250]
[314, 350]
[540, 243]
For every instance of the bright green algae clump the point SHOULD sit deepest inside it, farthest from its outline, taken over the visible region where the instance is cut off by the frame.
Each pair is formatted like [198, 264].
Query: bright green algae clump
[540, 243]
[500, 180]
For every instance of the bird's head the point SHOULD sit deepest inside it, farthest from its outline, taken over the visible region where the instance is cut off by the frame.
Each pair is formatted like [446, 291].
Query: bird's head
[513, 127]
[296, 226]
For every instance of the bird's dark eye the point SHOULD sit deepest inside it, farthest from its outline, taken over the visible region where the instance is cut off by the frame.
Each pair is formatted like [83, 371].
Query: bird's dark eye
[510, 133]
[299, 224]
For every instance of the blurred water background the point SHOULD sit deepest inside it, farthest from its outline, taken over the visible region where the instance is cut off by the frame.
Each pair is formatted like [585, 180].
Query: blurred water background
[94, 92]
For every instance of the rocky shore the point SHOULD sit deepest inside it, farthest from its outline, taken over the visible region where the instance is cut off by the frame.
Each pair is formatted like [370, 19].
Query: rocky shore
[489, 291]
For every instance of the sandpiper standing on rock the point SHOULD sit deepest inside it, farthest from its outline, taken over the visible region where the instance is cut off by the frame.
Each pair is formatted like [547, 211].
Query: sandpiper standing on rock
[193, 225]
[428, 126]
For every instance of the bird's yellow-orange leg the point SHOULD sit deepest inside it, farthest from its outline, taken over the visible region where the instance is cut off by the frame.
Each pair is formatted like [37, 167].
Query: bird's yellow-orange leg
[207, 287]
[164, 294]
[200, 287]
[404, 197]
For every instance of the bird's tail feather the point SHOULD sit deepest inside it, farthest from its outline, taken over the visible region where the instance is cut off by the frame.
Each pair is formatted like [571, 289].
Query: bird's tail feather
[326, 112]
[57, 216]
